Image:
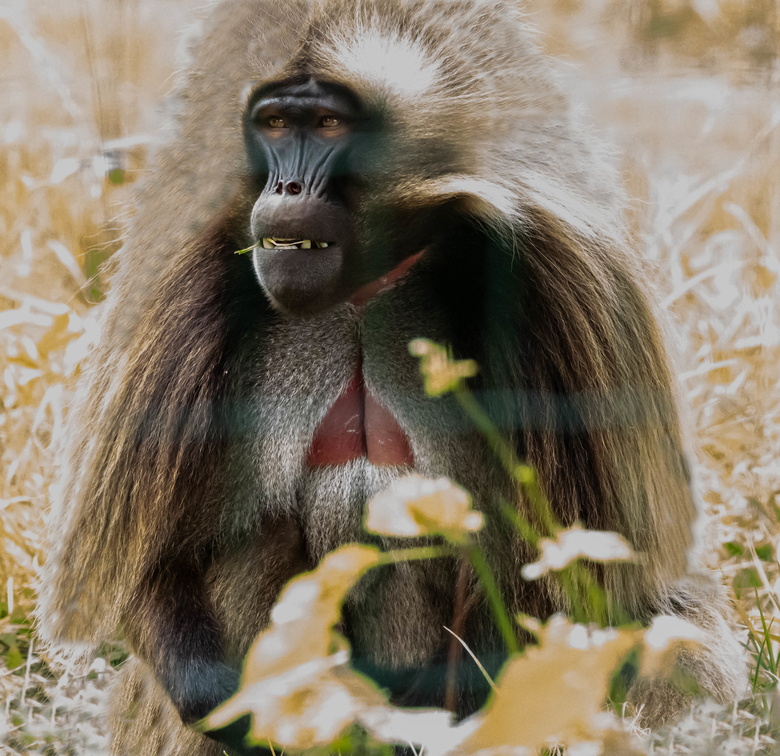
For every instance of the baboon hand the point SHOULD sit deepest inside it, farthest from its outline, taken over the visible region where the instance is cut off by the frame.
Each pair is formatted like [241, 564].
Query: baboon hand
[198, 687]
[199, 691]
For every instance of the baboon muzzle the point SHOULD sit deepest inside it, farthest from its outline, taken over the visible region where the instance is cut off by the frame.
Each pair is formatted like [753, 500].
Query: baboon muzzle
[303, 238]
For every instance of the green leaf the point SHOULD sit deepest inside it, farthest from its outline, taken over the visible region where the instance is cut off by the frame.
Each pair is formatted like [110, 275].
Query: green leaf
[734, 549]
[13, 657]
[745, 581]
[116, 176]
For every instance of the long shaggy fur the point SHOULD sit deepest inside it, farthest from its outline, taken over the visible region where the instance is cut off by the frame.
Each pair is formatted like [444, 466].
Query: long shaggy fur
[188, 440]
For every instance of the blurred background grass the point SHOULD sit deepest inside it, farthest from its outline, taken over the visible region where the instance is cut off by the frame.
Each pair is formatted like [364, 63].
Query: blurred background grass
[688, 90]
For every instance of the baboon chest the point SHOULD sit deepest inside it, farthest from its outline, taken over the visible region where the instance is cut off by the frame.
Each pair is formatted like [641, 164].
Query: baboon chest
[359, 426]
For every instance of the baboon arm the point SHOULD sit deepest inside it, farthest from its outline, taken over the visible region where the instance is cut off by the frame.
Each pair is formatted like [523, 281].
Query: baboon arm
[171, 625]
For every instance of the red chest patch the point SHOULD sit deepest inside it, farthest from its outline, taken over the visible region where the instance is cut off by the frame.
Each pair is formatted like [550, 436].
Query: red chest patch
[357, 426]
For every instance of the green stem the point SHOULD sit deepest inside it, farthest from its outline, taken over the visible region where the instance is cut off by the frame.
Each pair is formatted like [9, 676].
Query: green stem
[589, 601]
[520, 523]
[506, 455]
[247, 249]
[526, 477]
[570, 588]
[482, 420]
[485, 575]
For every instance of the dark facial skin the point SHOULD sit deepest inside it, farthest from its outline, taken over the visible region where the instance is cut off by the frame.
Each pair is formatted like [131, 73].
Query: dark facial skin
[300, 139]
[321, 235]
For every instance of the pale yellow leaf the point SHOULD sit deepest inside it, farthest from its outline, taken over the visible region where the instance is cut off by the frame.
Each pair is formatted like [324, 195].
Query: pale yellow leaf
[554, 693]
[303, 618]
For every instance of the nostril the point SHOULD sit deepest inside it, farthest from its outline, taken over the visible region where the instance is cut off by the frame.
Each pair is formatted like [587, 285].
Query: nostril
[293, 187]
[279, 188]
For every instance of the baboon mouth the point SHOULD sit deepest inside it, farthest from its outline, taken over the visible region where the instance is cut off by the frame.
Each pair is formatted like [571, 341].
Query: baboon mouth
[275, 242]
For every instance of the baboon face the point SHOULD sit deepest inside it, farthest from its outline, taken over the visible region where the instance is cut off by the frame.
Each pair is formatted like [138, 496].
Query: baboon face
[322, 236]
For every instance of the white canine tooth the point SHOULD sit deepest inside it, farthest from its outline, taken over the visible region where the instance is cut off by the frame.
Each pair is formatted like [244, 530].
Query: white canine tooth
[306, 244]
[268, 243]
[323, 245]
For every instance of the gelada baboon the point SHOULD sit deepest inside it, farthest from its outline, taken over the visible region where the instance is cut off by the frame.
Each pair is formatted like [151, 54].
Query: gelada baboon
[402, 168]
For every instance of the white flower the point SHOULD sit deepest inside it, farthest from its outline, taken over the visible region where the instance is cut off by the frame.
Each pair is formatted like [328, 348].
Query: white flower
[578, 543]
[664, 639]
[415, 506]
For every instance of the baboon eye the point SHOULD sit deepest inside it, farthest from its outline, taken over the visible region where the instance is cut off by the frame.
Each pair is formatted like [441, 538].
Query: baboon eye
[276, 122]
[329, 122]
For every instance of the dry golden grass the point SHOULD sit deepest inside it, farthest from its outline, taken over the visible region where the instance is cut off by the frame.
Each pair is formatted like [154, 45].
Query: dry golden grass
[689, 92]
